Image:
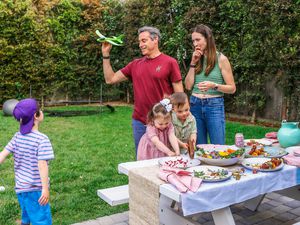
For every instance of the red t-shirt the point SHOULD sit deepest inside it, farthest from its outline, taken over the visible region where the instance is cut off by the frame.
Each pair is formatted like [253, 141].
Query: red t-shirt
[152, 80]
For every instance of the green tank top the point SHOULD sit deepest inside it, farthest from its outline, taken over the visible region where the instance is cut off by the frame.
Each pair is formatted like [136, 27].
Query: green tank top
[215, 76]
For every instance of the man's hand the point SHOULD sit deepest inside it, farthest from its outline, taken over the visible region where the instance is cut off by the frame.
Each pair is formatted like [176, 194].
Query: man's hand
[44, 199]
[106, 47]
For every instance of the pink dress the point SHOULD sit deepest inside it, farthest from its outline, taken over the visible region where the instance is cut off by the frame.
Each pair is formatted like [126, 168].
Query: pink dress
[146, 148]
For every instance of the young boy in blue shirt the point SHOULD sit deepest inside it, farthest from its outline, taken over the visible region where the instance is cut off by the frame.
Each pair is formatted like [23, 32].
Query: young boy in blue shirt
[31, 151]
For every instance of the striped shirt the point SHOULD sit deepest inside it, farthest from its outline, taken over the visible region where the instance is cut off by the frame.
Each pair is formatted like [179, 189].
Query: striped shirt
[27, 150]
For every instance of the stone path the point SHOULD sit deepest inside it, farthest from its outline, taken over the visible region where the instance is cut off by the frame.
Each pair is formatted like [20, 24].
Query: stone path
[275, 209]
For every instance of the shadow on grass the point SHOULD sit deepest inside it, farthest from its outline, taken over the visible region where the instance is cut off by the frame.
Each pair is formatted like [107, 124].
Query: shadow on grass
[70, 113]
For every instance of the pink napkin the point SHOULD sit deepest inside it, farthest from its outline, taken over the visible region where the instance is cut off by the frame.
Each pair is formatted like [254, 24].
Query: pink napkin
[181, 179]
[293, 158]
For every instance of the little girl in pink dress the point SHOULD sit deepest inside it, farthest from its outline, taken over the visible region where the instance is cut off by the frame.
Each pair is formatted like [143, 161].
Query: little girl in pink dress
[159, 139]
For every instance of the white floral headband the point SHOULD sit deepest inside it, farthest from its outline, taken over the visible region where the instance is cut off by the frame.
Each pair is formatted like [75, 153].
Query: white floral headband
[167, 104]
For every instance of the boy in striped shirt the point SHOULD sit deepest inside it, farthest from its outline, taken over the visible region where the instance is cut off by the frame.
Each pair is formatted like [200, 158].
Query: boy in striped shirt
[31, 151]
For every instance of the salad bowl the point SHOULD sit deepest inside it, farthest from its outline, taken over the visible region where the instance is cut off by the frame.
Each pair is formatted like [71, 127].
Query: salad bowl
[222, 155]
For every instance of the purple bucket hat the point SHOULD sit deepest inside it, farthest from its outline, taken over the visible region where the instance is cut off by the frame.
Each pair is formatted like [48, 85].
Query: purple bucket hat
[24, 112]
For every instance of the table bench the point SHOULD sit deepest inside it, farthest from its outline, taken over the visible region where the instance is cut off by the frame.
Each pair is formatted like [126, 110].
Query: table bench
[120, 194]
[115, 195]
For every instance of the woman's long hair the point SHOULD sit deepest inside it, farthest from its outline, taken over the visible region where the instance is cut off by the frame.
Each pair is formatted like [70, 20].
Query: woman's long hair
[211, 49]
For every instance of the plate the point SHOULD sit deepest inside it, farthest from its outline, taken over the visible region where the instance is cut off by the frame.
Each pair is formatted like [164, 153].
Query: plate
[260, 141]
[295, 150]
[207, 173]
[178, 162]
[269, 152]
[250, 162]
[219, 161]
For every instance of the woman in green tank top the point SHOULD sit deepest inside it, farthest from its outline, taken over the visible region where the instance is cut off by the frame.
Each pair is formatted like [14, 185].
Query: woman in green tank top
[209, 77]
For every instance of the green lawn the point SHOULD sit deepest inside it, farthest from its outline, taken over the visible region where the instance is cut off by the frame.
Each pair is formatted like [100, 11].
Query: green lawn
[88, 150]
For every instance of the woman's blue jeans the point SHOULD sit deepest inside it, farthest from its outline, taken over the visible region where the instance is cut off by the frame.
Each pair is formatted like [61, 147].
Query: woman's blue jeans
[210, 118]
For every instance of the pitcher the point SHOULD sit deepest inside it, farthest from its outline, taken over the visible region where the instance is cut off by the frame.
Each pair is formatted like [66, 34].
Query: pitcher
[289, 134]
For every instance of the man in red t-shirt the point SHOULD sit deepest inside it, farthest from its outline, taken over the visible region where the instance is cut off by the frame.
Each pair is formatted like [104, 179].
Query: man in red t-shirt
[154, 76]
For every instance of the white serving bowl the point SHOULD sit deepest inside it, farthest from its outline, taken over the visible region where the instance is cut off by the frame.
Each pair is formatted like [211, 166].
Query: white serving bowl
[218, 162]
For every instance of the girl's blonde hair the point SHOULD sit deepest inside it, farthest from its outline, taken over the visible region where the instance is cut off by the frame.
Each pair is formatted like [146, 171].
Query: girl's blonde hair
[210, 48]
[157, 110]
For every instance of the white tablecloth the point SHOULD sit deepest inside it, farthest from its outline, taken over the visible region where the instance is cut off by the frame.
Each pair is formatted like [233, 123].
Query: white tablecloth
[213, 196]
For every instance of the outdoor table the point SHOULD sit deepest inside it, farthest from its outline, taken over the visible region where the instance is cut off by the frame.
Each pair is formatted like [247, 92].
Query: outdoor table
[151, 201]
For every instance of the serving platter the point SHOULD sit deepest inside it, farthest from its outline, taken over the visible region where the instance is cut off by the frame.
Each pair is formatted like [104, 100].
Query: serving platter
[255, 163]
[179, 162]
[267, 151]
[210, 173]
[264, 142]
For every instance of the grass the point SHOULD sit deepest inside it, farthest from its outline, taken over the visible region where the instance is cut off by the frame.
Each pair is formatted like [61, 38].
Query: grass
[87, 150]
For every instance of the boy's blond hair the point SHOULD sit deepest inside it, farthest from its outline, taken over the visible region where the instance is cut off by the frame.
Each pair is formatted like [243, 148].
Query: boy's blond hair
[178, 99]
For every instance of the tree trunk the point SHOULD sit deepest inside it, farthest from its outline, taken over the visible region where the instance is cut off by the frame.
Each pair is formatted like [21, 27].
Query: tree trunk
[128, 96]
[253, 117]
[42, 103]
[184, 66]
[67, 99]
[284, 109]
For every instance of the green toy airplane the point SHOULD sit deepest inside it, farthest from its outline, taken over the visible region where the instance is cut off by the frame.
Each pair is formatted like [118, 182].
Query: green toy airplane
[118, 41]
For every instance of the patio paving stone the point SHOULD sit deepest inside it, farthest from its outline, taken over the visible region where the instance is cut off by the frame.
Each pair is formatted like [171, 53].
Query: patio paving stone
[274, 202]
[246, 213]
[285, 216]
[120, 217]
[270, 221]
[285, 199]
[281, 209]
[293, 203]
[264, 207]
[106, 220]
[296, 211]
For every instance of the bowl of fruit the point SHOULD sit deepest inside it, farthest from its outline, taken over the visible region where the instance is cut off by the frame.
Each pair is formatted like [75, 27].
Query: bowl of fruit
[220, 155]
